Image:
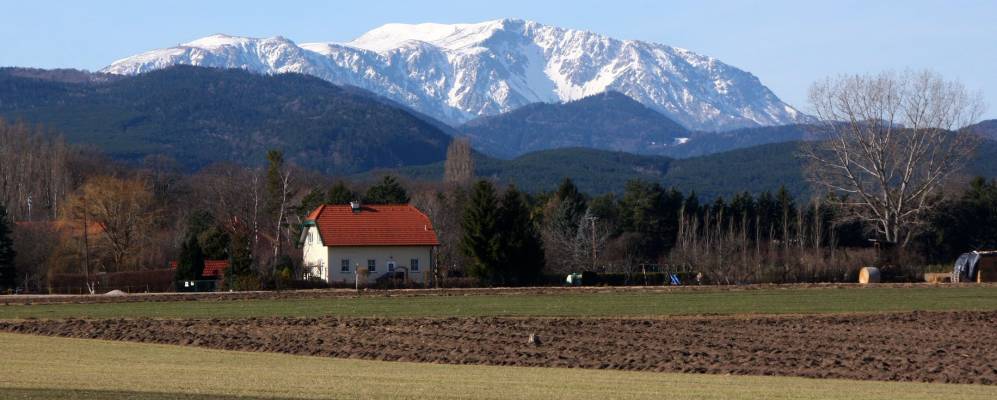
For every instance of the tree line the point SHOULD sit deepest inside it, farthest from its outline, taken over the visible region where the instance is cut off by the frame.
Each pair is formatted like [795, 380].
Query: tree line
[888, 161]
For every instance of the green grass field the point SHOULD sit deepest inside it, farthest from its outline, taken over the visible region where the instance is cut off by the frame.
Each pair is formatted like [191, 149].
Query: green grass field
[589, 304]
[58, 368]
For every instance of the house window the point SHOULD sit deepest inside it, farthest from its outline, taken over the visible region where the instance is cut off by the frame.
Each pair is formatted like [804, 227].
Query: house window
[310, 237]
[414, 264]
[344, 265]
[371, 265]
[391, 266]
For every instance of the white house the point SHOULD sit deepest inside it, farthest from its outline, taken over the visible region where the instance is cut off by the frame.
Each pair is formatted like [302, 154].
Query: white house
[340, 242]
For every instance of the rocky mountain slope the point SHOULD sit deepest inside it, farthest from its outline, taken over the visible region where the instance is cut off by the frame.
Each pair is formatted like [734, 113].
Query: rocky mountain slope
[462, 71]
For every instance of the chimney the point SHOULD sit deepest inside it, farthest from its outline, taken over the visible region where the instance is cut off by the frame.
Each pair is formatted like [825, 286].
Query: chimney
[355, 205]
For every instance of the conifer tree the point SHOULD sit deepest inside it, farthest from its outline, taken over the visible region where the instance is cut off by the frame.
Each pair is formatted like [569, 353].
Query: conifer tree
[240, 260]
[190, 265]
[8, 272]
[480, 241]
[387, 191]
[521, 257]
[341, 194]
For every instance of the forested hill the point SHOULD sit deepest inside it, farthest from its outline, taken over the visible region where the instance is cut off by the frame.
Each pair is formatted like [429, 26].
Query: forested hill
[201, 115]
[754, 169]
[986, 128]
[609, 121]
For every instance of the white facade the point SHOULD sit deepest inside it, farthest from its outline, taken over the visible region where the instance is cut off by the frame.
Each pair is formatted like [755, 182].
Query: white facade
[339, 264]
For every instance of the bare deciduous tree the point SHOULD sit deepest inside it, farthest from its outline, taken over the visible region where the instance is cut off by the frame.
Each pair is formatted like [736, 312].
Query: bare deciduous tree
[34, 175]
[887, 144]
[124, 210]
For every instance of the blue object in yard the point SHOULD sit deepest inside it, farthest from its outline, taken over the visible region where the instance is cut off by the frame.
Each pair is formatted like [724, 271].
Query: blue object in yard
[675, 280]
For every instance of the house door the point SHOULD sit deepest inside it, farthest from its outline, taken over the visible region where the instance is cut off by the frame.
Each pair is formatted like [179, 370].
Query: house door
[391, 266]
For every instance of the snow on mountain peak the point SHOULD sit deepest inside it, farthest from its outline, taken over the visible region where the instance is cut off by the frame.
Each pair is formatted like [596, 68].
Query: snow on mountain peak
[455, 72]
[219, 40]
[450, 37]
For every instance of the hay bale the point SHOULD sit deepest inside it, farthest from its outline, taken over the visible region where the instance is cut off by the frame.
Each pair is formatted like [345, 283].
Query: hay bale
[115, 292]
[937, 277]
[869, 275]
[986, 273]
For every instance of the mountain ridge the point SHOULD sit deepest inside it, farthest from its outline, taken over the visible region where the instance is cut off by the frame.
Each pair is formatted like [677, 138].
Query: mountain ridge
[608, 121]
[457, 72]
[200, 116]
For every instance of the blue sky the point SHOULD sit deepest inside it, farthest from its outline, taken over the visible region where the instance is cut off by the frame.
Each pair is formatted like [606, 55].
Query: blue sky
[787, 44]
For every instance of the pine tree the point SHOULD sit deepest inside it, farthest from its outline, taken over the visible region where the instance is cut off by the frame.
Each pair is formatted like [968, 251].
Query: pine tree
[786, 207]
[8, 272]
[480, 241]
[190, 265]
[240, 261]
[570, 207]
[388, 191]
[341, 194]
[310, 202]
[520, 256]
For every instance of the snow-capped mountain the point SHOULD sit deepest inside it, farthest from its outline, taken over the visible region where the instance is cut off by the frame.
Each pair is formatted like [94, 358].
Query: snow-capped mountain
[462, 71]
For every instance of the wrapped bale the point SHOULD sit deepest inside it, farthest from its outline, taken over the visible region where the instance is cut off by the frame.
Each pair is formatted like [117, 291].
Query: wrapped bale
[987, 270]
[869, 275]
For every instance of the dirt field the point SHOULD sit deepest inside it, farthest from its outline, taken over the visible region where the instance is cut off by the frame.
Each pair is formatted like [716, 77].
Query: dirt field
[349, 293]
[953, 347]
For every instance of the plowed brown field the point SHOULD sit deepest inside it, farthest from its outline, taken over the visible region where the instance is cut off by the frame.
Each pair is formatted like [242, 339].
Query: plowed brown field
[954, 347]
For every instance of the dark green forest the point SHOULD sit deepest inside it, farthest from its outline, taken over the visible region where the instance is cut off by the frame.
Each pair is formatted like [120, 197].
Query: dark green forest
[199, 116]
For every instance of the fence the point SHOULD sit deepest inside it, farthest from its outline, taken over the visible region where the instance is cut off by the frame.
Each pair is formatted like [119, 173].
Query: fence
[159, 280]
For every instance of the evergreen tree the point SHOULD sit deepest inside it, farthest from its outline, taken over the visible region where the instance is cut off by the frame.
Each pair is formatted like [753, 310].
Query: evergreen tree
[786, 207]
[310, 202]
[964, 224]
[240, 257]
[387, 191]
[341, 194]
[480, 241]
[190, 265]
[769, 215]
[570, 207]
[520, 255]
[643, 211]
[214, 243]
[691, 204]
[8, 272]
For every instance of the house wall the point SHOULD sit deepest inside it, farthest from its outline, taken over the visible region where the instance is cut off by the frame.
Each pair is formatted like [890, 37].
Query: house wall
[315, 256]
[358, 256]
[326, 262]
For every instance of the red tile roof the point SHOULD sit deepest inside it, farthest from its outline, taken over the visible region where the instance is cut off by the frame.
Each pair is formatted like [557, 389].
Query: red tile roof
[212, 268]
[373, 225]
